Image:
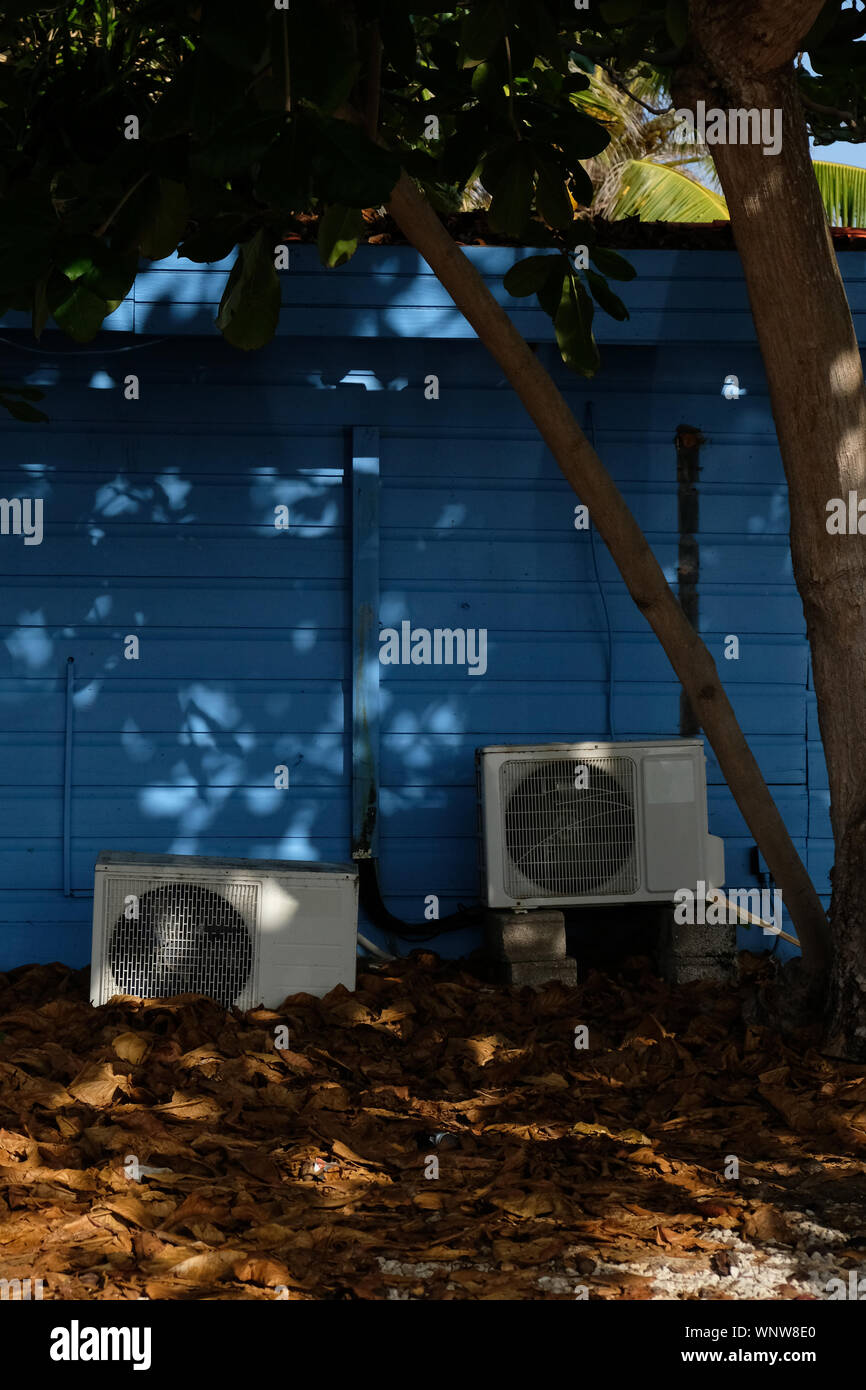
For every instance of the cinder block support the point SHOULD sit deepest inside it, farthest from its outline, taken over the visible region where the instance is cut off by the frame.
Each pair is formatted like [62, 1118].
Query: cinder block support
[538, 935]
[536, 973]
[692, 952]
[528, 948]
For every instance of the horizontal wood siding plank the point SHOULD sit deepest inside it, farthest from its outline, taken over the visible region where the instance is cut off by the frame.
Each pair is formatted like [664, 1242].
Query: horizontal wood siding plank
[159, 522]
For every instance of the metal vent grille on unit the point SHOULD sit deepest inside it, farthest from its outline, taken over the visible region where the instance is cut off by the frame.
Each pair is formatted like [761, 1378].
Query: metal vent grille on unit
[562, 840]
[179, 937]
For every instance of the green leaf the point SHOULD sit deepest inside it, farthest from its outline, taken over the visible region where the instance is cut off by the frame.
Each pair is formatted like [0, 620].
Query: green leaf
[539, 28]
[237, 33]
[578, 134]
[171, 114]
[421, 165]
[75, 259]
[620, 11]
[237, 145]
[573, 328]
[581, 184]
[213, 242]
[550, 292]
[588, 65]
[444, 197]
[528, 276]
[482, 28]
[285, 176]
[604, 295]
[611, 263]
[165, 221]
[323, 54]
[568, 128]
[551, 197]
[537, 234]
[41, 311]
[351, 169]
[487, 86]
[511, 203]
[463, 149]
[339, 229]
[398, 38]
[250, 307]
[78, 311]
[88, 262]
[218, 91]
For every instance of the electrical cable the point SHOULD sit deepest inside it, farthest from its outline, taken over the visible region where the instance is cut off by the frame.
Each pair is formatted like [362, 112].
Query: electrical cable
[83, 352]
[370, 897]
[369, 890]
[750, 919]
[374, 949]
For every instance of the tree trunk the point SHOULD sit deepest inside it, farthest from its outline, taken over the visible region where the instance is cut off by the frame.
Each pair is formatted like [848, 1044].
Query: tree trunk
[815, 375]
[638, 566]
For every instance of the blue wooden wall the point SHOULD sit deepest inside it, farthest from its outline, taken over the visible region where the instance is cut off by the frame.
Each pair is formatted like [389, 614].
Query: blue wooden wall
[159, 523]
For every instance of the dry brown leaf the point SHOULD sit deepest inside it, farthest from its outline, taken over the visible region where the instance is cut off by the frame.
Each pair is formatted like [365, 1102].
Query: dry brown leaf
[97, 1085]
[765, 1223]
[550, 1145]
[130, 1047]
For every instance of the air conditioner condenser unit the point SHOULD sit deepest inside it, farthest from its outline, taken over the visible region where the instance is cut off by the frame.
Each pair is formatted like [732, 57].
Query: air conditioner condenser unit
[593, 823]
[244, 931]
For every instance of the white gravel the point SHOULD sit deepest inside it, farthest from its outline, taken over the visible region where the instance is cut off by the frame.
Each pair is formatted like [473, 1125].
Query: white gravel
[756, 1272]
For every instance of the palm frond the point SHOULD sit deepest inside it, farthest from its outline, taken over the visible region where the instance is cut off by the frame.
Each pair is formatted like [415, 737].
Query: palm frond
[659, 193]
[843, 189]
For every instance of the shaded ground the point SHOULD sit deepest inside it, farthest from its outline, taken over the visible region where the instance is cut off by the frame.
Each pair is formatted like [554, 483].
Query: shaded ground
[302, 1172]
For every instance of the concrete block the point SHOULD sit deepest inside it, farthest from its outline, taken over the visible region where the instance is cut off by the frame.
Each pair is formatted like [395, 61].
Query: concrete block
[694, 940]
[685, 970]
[689, 951]
[536, 973]
[529, 936]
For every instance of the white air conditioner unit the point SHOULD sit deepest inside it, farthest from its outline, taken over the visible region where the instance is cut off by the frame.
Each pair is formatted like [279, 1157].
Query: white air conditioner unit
[244, 931]
[596, 823]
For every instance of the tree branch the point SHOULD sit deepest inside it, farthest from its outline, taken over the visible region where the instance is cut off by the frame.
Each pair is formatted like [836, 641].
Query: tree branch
[847, 116]
[618, 82]
[629, 549]
[287, 77]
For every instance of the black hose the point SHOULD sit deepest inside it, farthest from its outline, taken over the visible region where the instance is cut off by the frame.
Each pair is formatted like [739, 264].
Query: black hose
[370, 896]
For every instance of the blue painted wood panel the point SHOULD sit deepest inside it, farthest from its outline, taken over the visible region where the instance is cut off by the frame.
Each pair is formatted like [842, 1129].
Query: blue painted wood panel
[390, 292]
[159, 522]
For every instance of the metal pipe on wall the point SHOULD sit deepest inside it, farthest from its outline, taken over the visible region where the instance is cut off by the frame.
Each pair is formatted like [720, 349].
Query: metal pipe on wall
[67, 777]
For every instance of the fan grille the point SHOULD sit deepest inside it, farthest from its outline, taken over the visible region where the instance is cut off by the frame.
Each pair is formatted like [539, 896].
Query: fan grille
[175, 936]
[569, 833]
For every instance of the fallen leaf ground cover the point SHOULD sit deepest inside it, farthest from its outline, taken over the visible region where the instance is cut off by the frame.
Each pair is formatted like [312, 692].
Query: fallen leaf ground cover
[430, 1136]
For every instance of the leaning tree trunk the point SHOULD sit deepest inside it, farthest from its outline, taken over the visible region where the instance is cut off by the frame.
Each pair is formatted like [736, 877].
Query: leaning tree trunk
[815, 375]
[638, 566]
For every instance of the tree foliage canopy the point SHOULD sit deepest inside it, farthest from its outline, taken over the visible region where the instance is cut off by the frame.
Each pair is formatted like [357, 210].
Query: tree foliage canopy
[136, 129]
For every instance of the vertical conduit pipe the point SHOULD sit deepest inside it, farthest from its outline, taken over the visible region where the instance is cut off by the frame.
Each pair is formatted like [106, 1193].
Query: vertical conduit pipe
[67, 778]
[365, 643]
